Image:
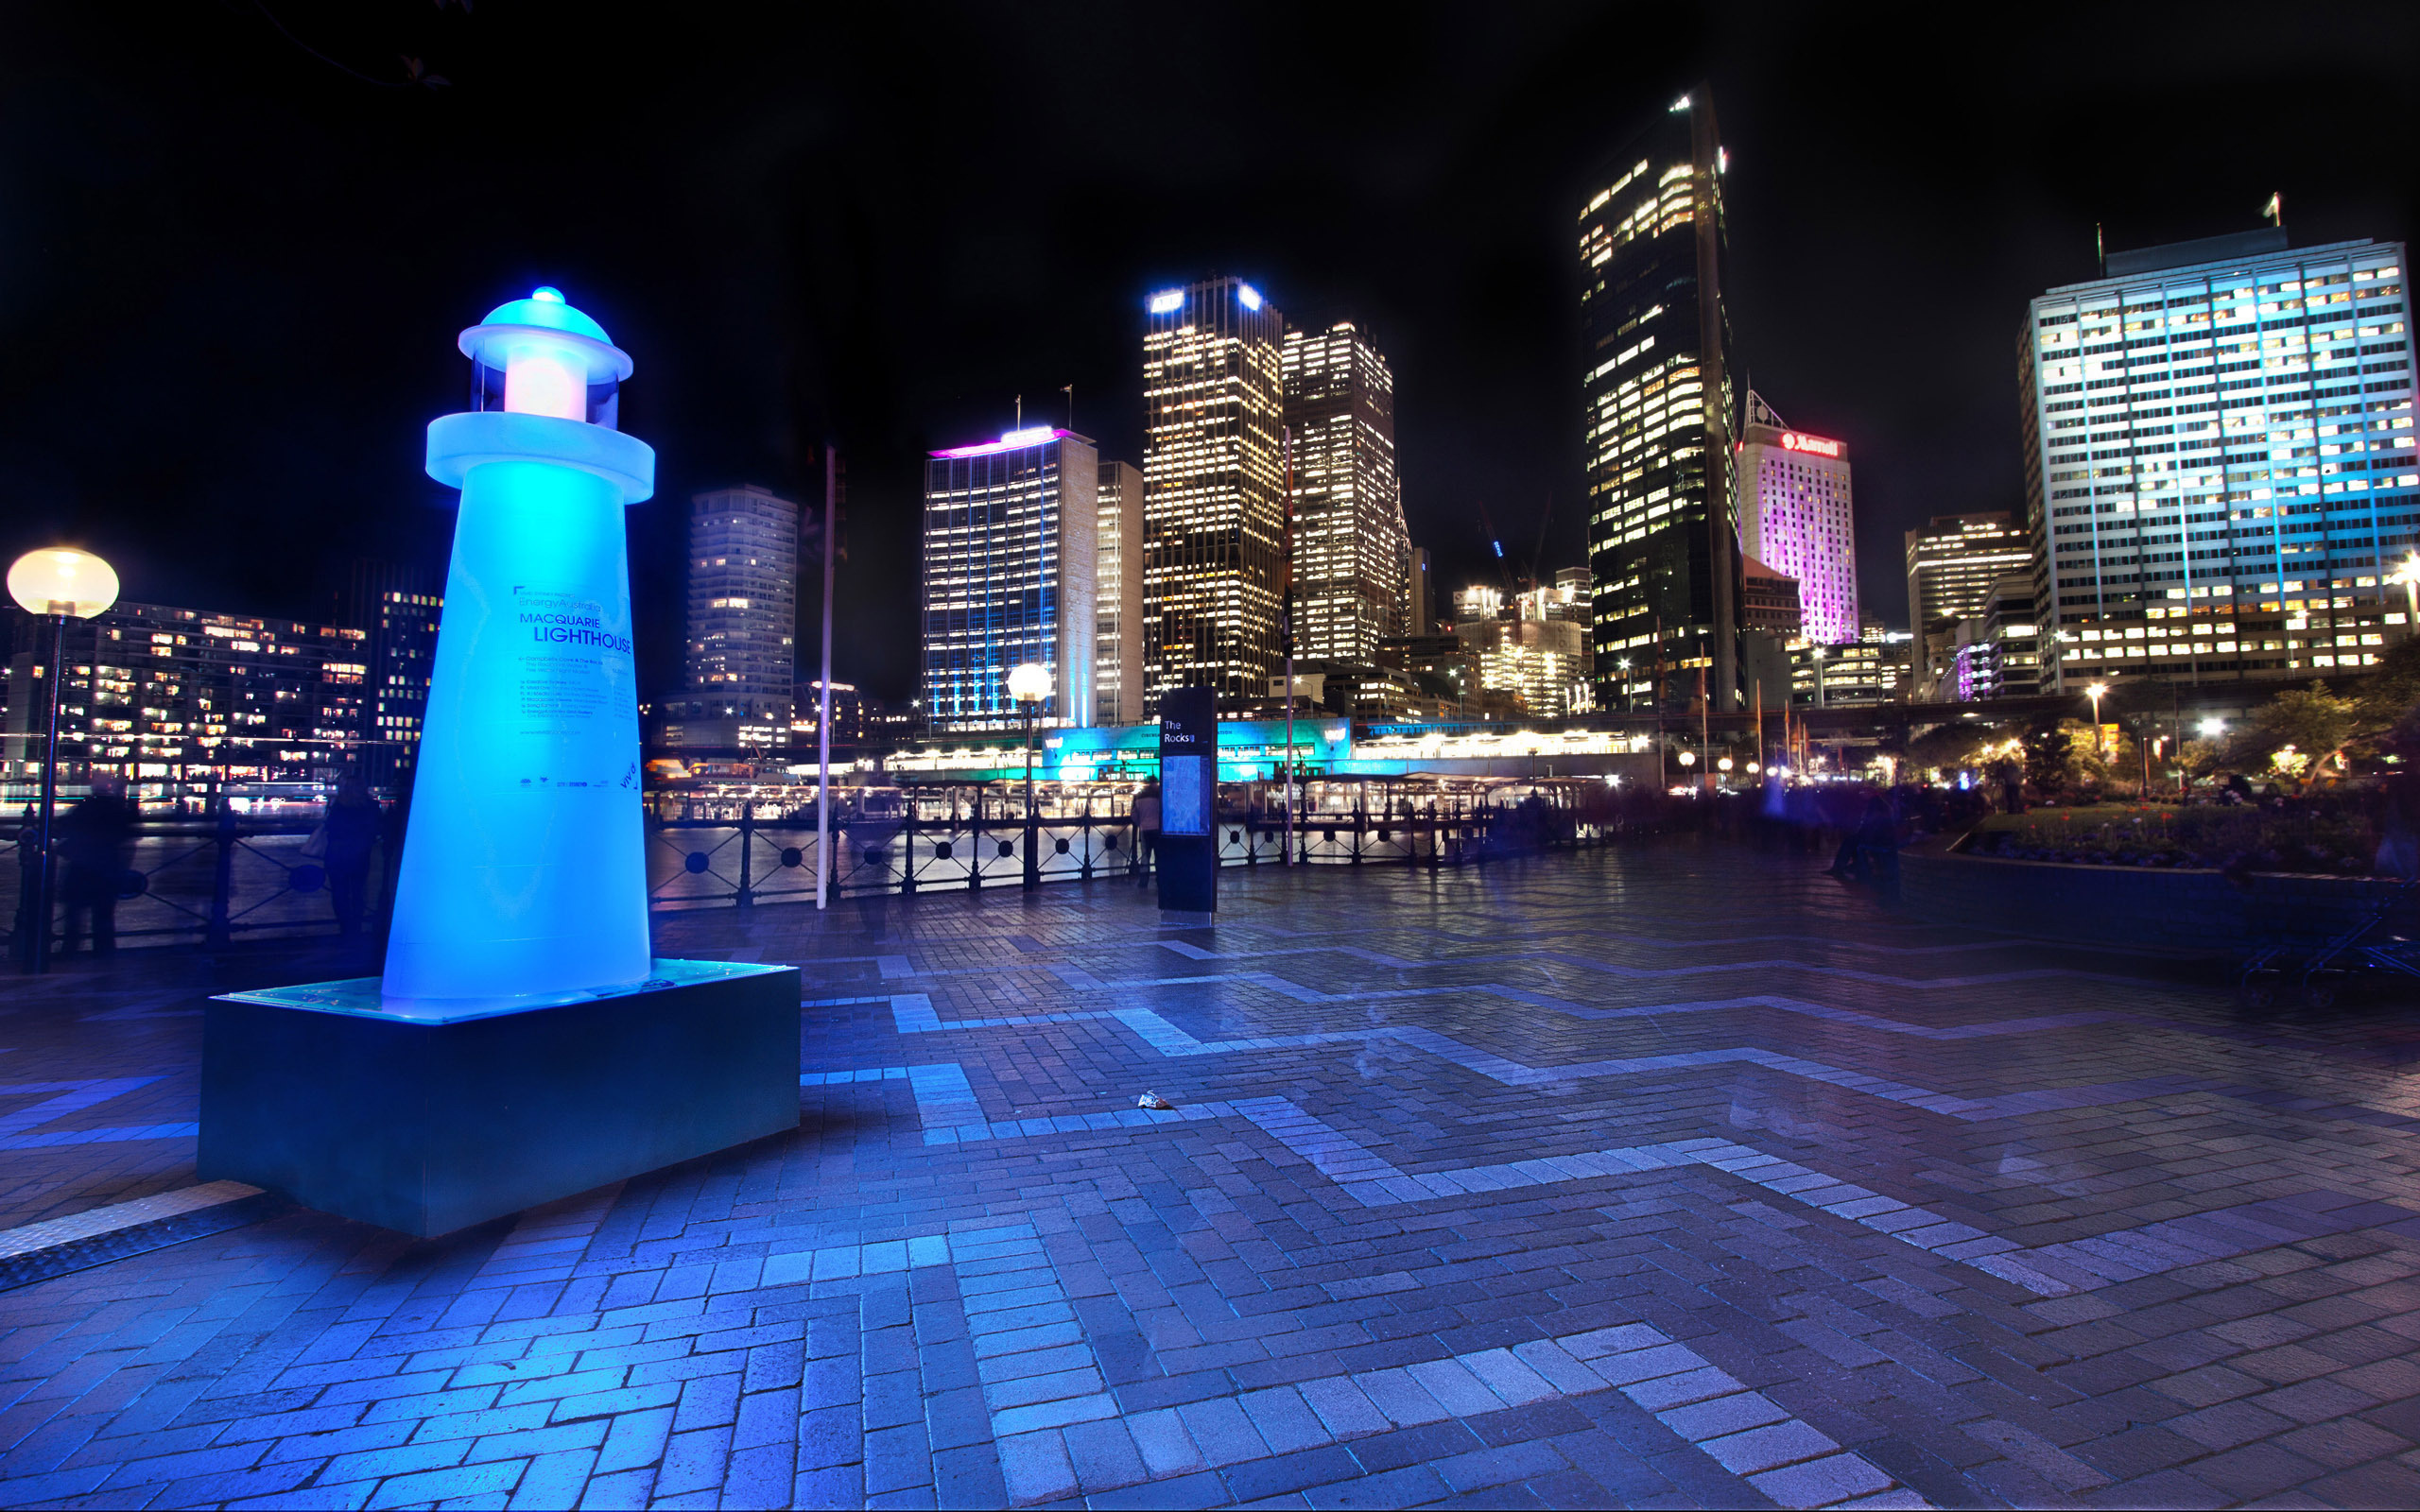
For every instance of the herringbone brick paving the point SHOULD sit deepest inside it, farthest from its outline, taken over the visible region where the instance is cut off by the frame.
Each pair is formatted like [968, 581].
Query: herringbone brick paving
[1663, 1176]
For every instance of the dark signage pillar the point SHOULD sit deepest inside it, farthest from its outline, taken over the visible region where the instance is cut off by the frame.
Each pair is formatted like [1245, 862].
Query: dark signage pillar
[1189, 803]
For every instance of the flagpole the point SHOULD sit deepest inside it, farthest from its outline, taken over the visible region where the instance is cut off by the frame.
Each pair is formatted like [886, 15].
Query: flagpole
[823, 691]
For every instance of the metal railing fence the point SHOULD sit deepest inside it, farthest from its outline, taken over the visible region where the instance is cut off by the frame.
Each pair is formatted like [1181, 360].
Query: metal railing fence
[215, 880]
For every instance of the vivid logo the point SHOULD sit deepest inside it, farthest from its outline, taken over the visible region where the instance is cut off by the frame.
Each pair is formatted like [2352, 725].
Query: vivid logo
[1794, 441]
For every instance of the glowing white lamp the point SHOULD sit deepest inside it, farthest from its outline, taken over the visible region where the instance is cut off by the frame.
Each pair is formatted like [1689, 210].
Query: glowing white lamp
[62, 580]
[1029, 682]
[1688, 758]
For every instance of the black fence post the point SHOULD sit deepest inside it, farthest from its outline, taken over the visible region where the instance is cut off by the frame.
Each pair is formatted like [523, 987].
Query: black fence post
[745, 896]
[221, 880]
[907, 843]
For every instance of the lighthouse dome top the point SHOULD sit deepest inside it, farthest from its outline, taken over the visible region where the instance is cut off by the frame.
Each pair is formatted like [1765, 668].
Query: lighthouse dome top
[546, 308]
[516, 326]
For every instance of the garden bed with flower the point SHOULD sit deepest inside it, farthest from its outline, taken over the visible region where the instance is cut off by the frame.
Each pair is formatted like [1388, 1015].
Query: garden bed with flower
[2217, 837]
[2088, 875]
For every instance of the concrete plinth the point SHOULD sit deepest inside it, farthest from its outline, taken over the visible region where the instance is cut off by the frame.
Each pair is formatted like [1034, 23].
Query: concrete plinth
[430, 1123]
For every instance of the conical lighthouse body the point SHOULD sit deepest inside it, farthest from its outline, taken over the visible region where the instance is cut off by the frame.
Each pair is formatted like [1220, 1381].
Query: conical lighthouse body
[523, 875]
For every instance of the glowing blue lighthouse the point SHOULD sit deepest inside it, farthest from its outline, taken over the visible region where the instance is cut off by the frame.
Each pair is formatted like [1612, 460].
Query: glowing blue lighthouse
[523, 874]
[522, 1045]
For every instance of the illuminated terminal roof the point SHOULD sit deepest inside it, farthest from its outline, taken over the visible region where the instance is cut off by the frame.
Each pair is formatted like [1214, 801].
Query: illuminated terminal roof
[1013, 441]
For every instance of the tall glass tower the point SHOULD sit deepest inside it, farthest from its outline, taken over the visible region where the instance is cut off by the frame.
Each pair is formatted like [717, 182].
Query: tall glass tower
[1797, 517]
[1351, 547]
[1655, 386]
[743, 616]
[1118, 588]
[2219, 459]
[1214, 512]
[1012, 534]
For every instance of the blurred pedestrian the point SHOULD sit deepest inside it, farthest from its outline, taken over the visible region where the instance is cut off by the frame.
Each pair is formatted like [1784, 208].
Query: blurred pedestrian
[1146, 812]
[29, 868]
[350, 826]
[94, 839]
[2398, 838]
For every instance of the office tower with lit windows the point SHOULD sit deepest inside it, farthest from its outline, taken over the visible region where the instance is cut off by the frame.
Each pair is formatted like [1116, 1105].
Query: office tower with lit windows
[1350, 548]
[1997, 652]
[1655, 384]
[1795, 518]
[1117, 587]
[397, 608]
[1769, 601]
[1214, 513]
[2219, 465]
[743, 621]
[1953, 560]
[1012, 530]
[171, 699]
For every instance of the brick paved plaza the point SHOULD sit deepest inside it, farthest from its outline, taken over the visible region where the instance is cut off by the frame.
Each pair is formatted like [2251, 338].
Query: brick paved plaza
[1673, 1175]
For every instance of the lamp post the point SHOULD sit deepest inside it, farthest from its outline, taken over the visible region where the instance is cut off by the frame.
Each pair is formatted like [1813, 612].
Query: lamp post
[60, 584]
[2095, 694]
[1630, 698]
[1029, 684]
[1816, 654]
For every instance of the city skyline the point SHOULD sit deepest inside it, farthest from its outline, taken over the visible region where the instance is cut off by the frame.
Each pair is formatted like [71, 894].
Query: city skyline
[1454, 262]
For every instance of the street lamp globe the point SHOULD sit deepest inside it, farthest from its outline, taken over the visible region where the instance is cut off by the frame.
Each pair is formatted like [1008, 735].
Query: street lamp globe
[2213, 728]
[1029, 682]
[1724, 763]
[62, 580]
[1688, 758]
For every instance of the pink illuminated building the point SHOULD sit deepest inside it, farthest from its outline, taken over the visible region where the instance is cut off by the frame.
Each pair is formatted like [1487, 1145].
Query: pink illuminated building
[1795, 518]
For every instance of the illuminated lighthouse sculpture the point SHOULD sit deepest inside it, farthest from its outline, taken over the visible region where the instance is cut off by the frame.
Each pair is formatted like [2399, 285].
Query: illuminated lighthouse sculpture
[523, 1045]
[523, 874]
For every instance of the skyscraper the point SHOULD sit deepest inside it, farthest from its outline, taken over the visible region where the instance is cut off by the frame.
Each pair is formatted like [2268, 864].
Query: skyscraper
[1351, 549]
[743, 621]
[1117, 587]
[1011, 531]
[1656, 393]
[1953, 560]
[1213, 491]
[1420, 595]
[1795, 517]
[2219, 458]
[397, 608]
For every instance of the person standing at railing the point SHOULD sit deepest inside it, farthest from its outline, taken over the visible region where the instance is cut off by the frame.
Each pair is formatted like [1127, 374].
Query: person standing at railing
[29, 861]
[351, 825]
[94, 839]
[1145, 813]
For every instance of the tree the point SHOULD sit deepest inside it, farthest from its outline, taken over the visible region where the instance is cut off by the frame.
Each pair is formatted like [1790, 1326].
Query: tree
[1949, 748]
[2048, 748]
[2314, 722]
[2197, 758]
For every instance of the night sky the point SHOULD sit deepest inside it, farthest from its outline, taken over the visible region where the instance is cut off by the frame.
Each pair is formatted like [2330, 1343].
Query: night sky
[232, 271]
